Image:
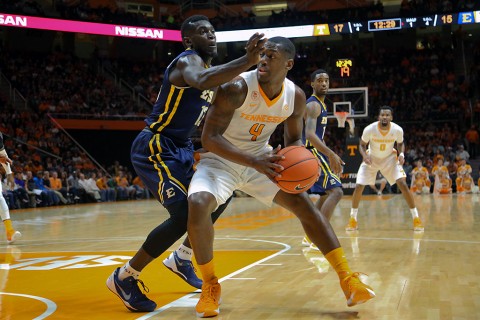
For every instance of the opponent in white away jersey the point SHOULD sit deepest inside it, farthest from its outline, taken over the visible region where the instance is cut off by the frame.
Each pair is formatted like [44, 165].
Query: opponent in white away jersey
[380, 143]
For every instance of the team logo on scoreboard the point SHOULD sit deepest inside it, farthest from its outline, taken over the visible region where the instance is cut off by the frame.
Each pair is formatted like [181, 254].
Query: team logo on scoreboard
[321, 30]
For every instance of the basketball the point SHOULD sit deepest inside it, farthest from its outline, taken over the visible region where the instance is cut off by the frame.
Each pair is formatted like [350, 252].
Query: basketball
[300, 169]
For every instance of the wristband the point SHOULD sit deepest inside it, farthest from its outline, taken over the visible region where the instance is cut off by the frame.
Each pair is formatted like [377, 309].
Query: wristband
[8, 169]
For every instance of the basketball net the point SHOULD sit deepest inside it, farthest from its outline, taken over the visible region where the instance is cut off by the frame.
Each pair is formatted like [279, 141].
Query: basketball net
[341, 118]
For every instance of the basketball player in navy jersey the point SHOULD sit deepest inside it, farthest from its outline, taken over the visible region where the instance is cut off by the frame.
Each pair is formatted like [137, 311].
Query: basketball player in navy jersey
[328, 186]
[246, 111]
[162, 154]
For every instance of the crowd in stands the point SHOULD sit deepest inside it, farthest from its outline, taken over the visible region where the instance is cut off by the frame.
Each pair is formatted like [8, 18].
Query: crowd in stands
[429, 99]
[62, 83]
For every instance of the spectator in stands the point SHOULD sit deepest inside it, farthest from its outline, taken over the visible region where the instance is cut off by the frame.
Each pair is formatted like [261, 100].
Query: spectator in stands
[47, 181]
[143, 192]
[461, 153]
[37, 197]
[57, 186]
[74, 188]
[124, 188]
[92, 192]
[52, 198]
[102, 184]
[20, 191]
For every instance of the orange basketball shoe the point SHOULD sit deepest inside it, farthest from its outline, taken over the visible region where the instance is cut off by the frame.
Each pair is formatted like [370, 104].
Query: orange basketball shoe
[352, 225]
[355, 290]
[209, 303]
[417, 224]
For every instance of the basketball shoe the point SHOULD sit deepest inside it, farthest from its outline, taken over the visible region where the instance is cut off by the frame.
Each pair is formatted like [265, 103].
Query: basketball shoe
[209, 303]
[417, 224]
[12, 237]
[352, 225]
[184, 269]
[355, 290]
[129, 292]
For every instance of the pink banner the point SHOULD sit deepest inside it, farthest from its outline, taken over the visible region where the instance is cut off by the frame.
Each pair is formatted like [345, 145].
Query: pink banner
[11, 20]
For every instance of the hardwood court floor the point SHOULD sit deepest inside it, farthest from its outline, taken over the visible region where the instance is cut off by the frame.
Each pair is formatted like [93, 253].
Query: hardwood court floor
[58, 270]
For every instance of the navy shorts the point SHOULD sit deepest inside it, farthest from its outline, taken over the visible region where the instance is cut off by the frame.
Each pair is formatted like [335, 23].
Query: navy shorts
[165, 167]
[328, 180]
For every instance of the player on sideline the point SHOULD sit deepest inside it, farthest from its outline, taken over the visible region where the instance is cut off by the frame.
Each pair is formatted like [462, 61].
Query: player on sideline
[12, 234]
[381, 156]
[237, 130]
[328, 186]
[162, 153]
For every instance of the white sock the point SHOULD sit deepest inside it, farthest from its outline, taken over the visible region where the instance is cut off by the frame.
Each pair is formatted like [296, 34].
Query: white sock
[353, 213]
[184, 252]
[414, 213]
[127, 271]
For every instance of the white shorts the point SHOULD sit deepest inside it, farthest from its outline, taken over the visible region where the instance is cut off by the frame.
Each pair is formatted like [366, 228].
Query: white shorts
[221, 178]
[389, 167]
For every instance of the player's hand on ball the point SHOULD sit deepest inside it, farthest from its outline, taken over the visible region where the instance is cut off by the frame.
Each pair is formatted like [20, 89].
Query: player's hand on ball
[267, 164]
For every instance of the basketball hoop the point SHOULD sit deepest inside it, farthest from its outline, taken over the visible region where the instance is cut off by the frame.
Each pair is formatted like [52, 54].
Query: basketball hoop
[341, 118]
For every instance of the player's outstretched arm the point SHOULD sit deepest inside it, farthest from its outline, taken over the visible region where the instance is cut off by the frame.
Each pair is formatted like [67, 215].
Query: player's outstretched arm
[196, 75]
[231, 96]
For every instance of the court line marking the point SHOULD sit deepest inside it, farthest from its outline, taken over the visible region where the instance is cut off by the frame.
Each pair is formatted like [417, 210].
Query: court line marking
[376, 238]
[83, 240]
[187, 299]
[51, 306]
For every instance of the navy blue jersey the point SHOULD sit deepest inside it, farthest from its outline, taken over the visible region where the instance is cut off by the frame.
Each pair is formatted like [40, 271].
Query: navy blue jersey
[327, 180]
[178, 111]
[321, 120]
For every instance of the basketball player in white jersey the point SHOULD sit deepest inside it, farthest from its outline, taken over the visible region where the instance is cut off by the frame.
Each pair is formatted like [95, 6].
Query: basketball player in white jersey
[238, 126]
[12, 234]
[381, 137]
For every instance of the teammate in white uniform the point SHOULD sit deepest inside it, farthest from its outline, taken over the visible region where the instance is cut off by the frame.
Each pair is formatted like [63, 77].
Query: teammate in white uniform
[381, 137]
[237, 129]
[12, 234]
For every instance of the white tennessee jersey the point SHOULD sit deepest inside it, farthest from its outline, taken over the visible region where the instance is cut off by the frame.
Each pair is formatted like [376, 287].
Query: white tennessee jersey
[254, 122]
[380, 144]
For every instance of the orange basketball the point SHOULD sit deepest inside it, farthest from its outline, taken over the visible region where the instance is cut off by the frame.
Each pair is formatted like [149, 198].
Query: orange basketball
[300, 169]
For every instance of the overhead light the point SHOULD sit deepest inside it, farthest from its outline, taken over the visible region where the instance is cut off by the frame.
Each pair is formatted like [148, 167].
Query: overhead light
[266, 9]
